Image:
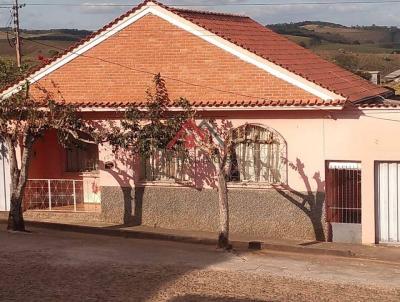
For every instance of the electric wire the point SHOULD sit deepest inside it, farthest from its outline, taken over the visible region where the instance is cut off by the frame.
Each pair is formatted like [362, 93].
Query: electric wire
[216, 4]
[141, 70]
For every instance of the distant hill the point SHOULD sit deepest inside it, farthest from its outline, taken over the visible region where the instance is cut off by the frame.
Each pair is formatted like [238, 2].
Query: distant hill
[381, 36]
[45, 43]
[355, 48]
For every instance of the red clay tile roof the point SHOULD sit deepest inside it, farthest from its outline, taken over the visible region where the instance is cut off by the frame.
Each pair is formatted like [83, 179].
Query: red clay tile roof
[248, 34]
[252, 36]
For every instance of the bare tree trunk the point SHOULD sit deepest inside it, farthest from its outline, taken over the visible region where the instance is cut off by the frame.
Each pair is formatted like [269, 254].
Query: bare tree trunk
[15, 217]
[223, 238]
[19, 178]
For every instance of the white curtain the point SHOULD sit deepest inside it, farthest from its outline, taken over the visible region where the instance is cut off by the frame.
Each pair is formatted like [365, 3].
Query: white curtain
[257, 155]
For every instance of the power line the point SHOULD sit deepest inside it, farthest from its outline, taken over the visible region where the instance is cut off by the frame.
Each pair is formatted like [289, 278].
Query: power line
[144, 71]
[181, 81]
[218, 4]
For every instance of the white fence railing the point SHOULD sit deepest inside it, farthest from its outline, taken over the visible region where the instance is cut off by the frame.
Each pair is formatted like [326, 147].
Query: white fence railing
[62, 195]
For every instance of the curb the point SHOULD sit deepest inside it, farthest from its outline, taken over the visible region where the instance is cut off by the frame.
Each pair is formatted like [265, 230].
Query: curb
[308, 250]
[265, 247]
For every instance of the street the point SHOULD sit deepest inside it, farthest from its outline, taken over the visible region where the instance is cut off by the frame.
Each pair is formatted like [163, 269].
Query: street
[50, 265]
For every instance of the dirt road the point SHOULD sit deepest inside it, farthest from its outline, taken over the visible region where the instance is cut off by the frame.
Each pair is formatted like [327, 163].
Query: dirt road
[60, 266]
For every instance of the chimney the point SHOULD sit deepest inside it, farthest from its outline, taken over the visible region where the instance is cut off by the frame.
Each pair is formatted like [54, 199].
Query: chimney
[375, 77]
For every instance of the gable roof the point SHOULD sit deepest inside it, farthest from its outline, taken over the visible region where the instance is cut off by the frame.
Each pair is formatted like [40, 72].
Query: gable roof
[280, 56]
[276, 48]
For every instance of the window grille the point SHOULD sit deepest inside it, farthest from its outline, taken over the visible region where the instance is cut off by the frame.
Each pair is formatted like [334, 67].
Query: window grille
[165, 166]
[83, 158]
[258, 156]
[343, 189]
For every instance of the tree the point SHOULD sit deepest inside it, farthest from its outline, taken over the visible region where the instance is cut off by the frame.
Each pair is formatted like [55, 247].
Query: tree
[347, 61]
[153, 128]
[145, 130]
[22, 121]
[216, 140]
[218, 144]
[9, 72]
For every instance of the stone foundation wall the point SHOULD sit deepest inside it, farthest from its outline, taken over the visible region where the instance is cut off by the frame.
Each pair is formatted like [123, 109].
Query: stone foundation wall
[117, 204]
[253, 212]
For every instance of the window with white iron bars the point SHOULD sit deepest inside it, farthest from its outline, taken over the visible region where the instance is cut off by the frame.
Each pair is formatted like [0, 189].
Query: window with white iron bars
[258, 156]
[165, 165]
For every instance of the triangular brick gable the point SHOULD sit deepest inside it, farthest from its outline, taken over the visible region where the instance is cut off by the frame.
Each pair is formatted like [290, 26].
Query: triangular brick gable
[152, 45]
[116, 65]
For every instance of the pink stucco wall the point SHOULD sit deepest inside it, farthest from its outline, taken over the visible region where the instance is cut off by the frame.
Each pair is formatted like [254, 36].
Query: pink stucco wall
[312, 137]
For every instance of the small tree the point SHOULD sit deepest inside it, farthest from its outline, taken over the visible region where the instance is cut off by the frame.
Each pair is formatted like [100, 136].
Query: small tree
[24, 120]
[216, 140]
[154, 127]
[145, 130]
[9, 72]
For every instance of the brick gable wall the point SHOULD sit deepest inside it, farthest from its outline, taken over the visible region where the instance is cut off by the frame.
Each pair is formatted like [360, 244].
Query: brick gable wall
[154, 45]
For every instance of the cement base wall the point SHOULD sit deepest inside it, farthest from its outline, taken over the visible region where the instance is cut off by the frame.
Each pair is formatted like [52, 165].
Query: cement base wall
[117, 204]
[346, 233]
[253, 212]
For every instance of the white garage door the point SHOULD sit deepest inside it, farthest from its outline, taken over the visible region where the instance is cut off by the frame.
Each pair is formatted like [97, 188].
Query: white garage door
[388, 194]
[4, 180]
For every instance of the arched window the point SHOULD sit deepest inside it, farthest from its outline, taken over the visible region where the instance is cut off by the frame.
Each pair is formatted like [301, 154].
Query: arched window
[258, 155]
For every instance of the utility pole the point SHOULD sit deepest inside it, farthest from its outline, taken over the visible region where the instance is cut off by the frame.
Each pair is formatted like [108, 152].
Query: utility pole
[16, 32]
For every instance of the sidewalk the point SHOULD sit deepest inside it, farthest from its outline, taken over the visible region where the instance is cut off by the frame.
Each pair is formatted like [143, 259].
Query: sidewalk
[376, 252]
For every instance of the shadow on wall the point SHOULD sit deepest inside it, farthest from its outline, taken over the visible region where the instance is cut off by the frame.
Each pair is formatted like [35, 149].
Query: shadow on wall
[311, 203]
[123, 165]
[130, 211]
[201, 177]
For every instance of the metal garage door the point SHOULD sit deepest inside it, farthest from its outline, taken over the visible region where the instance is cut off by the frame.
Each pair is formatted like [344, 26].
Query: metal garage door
[4, 180]
[388, 195]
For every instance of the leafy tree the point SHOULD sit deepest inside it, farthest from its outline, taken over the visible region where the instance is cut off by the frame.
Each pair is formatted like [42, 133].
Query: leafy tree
[145, 131]
[347, 61]
[315, 41]
[303, 44]
[23, 121]
[9, 72]
[217, 142]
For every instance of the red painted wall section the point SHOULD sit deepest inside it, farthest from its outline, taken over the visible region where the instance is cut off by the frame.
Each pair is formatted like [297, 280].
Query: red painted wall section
[48, 159]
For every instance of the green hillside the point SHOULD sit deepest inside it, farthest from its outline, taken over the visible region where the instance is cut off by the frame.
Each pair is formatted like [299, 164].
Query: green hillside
[355, 48]
[40, 43]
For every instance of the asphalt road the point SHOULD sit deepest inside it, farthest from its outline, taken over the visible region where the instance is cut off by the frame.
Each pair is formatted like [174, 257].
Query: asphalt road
[50, 265]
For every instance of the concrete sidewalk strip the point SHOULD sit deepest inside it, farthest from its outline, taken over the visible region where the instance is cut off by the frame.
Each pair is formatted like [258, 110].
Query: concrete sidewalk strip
[375, 252]
[182, 236]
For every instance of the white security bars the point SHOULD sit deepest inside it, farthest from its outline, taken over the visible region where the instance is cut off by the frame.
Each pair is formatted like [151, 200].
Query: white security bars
[67, 195]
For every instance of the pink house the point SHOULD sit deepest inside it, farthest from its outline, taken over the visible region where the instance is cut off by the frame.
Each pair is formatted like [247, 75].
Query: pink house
[331, 172]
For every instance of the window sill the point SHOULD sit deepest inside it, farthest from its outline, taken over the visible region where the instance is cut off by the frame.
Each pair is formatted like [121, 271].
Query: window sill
[252, 185]
[186, 184]
[85, 174]
[183, 184]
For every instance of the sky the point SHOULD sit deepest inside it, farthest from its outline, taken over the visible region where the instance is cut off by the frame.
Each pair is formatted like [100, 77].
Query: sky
[94, 17]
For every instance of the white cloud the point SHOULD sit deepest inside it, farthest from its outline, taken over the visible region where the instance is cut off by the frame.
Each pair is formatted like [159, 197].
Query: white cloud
[102, 8]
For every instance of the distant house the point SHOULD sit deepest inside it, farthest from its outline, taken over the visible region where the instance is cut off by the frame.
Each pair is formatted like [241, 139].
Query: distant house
[393, 77]
[330, 173]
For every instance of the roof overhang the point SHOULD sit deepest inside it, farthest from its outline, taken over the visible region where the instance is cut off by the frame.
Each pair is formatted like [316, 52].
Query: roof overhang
[237, 108]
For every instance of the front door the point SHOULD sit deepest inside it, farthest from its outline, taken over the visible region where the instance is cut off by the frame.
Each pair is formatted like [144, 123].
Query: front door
[388, 201]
